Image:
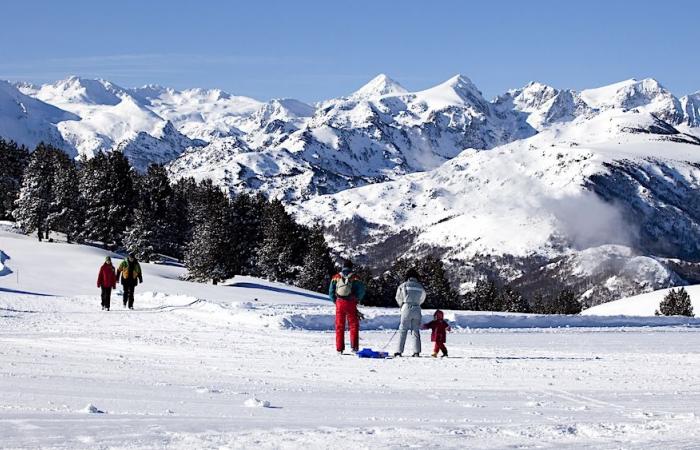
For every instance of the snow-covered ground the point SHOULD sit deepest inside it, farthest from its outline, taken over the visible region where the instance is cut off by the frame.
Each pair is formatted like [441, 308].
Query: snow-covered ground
[643, 304]
[252, 364]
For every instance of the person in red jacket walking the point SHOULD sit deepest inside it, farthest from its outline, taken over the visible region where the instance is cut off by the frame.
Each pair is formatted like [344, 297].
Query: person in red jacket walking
[440, 328]
[107, 280]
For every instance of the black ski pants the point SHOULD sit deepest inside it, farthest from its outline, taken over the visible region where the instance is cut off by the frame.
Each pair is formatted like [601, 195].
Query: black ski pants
[106, 296]
[129, 295]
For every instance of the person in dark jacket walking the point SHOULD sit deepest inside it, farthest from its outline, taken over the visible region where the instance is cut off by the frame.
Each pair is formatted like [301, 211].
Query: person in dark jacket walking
[440, 328]
[107, 280]
[346, 290]
[130, 274]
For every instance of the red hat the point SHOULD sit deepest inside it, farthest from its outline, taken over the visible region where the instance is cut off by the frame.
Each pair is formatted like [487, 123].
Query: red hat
[439, 315]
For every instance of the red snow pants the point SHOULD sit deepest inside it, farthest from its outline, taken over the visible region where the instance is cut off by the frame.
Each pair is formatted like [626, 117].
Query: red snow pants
[346, 309]
[440, 346]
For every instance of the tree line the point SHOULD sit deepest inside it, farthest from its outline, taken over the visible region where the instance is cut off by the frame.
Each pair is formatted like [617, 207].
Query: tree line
[486, 295]
[103, 200]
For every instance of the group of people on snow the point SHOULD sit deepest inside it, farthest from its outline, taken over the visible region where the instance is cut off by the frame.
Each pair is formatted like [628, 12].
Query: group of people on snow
[347, 290]
[128, 272]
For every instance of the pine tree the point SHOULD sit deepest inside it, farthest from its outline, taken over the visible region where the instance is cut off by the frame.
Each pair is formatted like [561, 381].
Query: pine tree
[124, 195]
[180, 215]
[381, 290]
[433, 277]
[35, 194]
[486, 296]
[539, 306]
[676, 303]
[281, 249]
[436, 283]
[512, 301]
[65, 213]
[152, 232]
[13, 161]
[48, 197]
[207, 254]
[318, 265]
[247, 226]
[566, 303]
[107, 185]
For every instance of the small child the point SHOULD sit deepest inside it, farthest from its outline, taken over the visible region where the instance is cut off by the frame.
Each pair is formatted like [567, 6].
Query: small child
[440, 328]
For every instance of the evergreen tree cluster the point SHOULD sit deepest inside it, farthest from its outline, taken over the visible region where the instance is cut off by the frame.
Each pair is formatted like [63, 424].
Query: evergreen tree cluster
[13, 160]
[104, 200]
[489, 296]
[564, 303]
[381, 290]
[49, 199]
[676, 303]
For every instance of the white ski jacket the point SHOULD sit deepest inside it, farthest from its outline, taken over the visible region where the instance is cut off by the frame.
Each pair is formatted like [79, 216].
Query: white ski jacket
[410, 293]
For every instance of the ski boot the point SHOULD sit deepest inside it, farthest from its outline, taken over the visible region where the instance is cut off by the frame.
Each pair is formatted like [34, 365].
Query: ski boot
[434, 355]
[397, 355]
[415, 355]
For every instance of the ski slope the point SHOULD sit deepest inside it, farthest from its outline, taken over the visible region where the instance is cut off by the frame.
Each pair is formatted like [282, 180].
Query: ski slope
[252, 364]
[643, 304]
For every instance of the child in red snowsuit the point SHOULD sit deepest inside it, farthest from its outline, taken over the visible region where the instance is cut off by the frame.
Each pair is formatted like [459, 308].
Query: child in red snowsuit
[440, 328]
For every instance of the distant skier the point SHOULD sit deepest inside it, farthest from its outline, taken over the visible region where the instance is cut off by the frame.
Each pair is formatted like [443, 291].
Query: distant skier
[130, 274]
[346, 290]
[440, 328]
[409, 296]
[107, 280]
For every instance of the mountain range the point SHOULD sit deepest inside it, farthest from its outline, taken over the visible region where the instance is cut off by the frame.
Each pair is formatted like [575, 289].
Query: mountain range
[542, 187]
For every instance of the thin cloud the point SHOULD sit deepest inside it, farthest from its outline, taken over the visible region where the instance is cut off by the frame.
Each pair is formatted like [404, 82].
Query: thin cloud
[128, 65]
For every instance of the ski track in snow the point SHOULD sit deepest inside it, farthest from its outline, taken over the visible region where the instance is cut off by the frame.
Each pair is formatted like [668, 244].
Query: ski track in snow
[252, 365]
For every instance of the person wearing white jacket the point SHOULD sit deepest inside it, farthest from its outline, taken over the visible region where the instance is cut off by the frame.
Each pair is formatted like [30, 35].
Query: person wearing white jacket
[409, 296]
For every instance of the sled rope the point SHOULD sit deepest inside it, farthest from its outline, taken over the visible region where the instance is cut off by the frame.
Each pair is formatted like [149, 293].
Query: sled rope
[390, 339]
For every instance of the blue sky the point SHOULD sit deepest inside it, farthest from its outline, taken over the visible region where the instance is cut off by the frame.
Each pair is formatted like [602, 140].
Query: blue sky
[313, 50]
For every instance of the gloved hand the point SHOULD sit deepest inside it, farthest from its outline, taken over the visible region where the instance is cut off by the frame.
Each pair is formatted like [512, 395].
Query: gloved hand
[360, 316]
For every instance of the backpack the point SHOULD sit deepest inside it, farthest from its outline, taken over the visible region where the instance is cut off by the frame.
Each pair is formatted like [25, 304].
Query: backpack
[343, 287]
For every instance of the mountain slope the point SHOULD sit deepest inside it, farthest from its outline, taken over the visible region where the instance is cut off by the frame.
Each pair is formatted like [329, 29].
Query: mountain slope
[29, 121]
[596, 189]
[376, 134]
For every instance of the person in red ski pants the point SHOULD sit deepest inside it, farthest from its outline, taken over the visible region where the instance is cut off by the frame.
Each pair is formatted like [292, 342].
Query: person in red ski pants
[440, 328]
[346, 290]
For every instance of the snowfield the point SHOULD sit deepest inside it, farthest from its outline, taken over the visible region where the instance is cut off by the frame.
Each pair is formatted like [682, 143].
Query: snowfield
[252, 364]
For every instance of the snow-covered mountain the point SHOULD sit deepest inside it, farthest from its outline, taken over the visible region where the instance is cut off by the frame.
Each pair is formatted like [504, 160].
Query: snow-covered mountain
[106, 117]
[203, 114]
[378, 133]
[592, 185]
[599, 197]
[29, 121]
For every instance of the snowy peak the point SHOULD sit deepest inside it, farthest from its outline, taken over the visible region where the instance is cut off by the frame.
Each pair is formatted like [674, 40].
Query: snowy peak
[76, 90]
[457, 91]
[379, 86]
[691, 109]
[29, 121]
[285, 109]
[628, 94]
[532, 97]
[149, 92]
